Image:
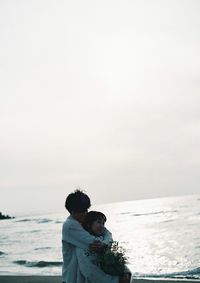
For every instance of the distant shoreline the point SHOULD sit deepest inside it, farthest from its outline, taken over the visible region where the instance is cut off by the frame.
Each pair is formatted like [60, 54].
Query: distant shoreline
[3, 217]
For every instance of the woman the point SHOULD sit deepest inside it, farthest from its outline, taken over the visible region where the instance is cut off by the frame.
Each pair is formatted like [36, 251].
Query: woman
[89, 263]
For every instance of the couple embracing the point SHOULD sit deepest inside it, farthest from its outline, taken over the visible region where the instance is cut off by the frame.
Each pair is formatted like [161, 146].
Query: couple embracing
[81, 232]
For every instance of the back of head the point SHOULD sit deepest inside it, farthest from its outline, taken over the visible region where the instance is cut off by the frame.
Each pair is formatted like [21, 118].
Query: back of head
[77, 202]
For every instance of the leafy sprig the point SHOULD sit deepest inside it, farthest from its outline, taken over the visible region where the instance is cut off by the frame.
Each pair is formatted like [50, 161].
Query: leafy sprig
[111, 259]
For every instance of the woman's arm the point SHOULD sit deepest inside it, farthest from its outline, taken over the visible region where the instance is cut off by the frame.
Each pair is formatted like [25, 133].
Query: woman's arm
[107, 237]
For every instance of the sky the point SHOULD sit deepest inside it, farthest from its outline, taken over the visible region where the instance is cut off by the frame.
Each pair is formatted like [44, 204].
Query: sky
[98, 95]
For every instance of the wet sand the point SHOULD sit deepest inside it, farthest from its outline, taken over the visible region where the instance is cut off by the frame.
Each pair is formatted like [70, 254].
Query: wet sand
[58, 279]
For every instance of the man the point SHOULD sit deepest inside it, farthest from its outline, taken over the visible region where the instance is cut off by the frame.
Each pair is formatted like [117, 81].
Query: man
[74, 235]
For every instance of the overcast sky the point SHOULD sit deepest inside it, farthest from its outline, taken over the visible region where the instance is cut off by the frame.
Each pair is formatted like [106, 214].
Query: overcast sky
[101, 95]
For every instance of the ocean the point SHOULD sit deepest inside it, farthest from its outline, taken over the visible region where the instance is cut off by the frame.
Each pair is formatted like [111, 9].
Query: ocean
[161, 238]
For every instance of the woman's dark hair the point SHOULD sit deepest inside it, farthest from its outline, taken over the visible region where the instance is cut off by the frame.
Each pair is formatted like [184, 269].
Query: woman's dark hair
[91, 217]
[77, 202]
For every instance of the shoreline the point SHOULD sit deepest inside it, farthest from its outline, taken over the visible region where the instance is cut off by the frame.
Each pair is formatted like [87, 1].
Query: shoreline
[58, 279]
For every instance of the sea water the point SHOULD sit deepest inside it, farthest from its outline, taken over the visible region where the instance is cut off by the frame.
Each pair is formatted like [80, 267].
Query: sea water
[161, 238]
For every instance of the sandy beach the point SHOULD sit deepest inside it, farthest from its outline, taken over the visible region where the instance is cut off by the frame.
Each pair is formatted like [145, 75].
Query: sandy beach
[58, 279]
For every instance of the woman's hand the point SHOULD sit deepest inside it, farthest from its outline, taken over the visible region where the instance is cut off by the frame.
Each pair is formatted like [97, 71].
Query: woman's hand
[96, 246]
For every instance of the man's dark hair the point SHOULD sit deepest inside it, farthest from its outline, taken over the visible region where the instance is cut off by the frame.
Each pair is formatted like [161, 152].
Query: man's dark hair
[77, 202]
[91, 217]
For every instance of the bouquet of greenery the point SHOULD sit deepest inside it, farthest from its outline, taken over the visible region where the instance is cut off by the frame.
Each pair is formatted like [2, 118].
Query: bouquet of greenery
[111, 259]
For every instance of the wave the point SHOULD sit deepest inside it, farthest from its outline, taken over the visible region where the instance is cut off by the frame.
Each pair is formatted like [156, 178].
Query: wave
[43, 248]
[166, 221]
[25, 220]
[38, 263]
[44, 220]
[189, 274]
[2, 253]
[151, 213]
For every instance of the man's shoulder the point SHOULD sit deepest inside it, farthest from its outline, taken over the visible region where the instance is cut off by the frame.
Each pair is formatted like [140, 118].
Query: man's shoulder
[70, 222]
